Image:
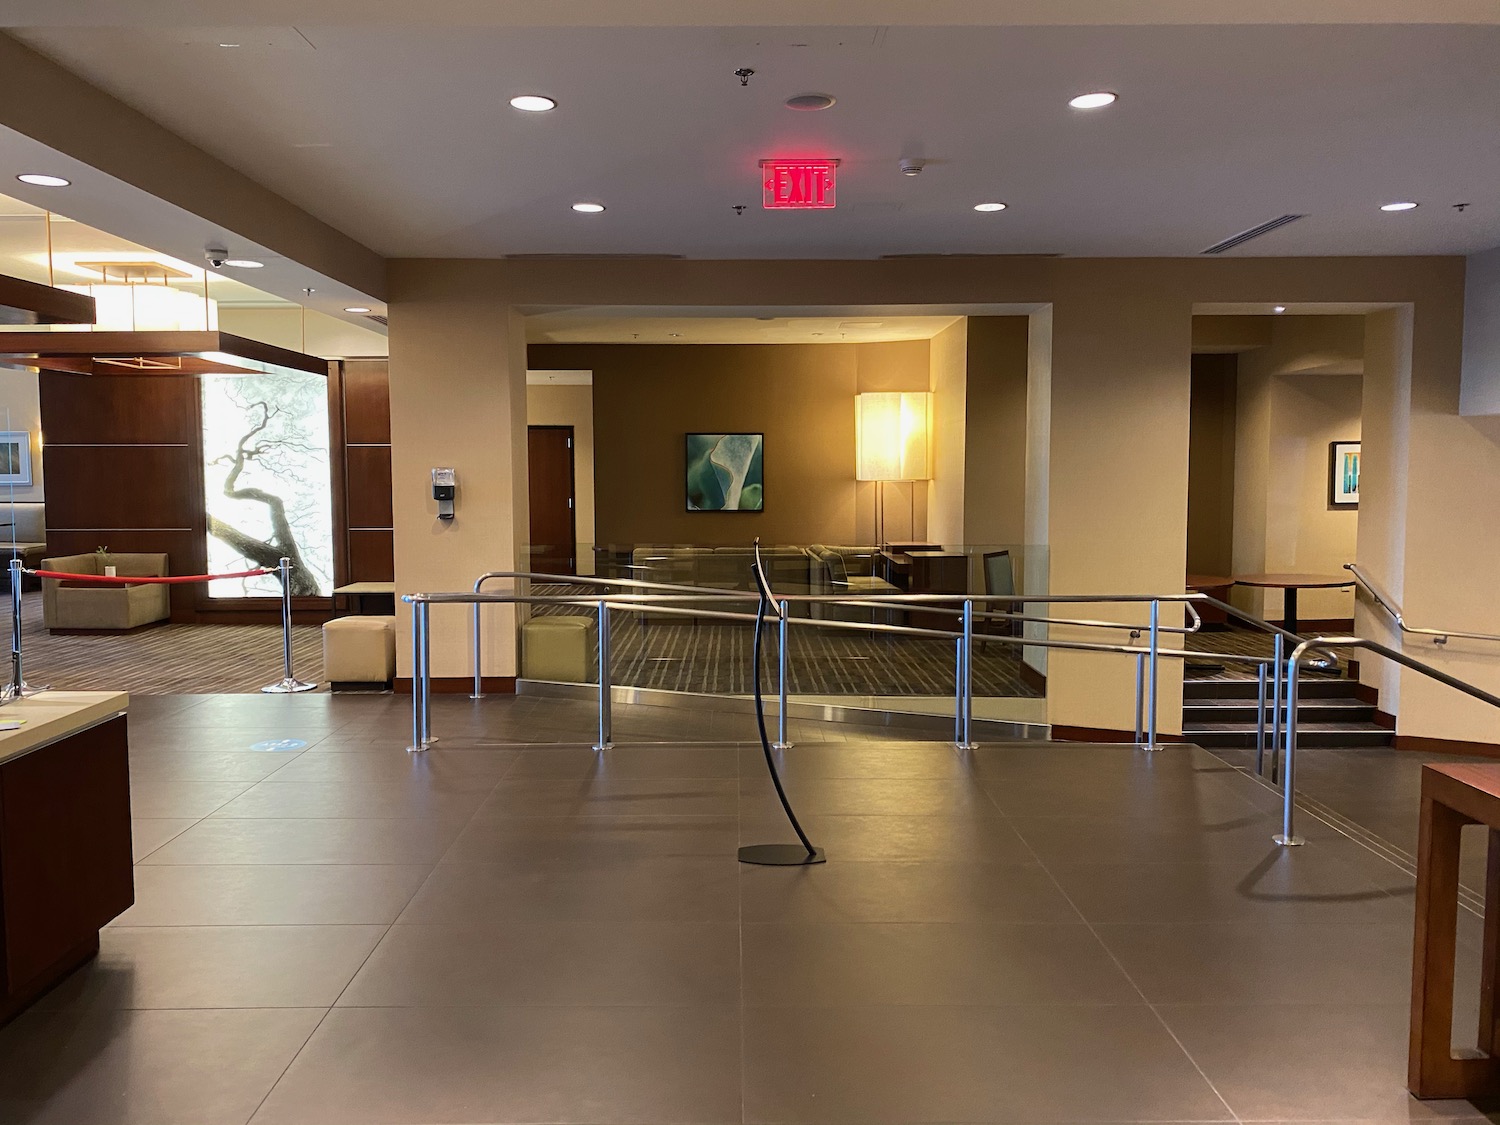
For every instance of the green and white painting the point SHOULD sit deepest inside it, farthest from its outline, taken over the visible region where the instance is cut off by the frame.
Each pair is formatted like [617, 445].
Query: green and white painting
[724, 473]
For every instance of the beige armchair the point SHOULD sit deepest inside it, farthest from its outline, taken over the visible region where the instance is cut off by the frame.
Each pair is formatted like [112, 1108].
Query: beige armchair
[104, 606]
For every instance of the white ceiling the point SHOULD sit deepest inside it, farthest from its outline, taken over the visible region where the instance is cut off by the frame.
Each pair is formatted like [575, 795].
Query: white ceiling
[571, 328]
[400, 135]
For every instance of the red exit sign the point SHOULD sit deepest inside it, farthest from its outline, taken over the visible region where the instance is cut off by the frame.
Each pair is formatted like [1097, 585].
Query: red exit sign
[799, 185]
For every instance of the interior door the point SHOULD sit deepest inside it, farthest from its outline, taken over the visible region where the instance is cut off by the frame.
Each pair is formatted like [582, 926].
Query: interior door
[554, 539]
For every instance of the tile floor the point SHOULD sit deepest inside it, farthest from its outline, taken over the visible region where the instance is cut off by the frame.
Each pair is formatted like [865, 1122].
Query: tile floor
[512, 929]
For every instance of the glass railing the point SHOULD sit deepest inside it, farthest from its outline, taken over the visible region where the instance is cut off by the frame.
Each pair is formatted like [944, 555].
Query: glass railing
[835, 657]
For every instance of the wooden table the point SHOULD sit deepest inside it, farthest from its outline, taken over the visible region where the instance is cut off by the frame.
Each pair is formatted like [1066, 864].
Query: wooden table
[359, 592]
[65, 862]
[1289, 584]
[1453, 795]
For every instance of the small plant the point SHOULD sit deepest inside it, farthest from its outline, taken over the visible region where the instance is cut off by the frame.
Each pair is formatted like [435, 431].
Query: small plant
[102, 552]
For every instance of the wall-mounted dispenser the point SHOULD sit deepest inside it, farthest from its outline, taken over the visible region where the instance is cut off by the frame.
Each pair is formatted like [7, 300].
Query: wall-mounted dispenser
[444, 485]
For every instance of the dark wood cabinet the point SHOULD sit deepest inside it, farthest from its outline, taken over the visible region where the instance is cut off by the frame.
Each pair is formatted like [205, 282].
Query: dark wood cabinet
[65, 856]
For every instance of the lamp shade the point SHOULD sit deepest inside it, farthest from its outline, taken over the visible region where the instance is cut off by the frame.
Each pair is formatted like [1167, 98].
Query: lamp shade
[893, 435]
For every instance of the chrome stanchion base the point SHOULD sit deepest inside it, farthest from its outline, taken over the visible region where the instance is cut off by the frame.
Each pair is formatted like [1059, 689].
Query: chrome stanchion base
[418, 749]
[782, 745]
[1287, 841]
[966, 746]
[1153, 747]
[287, 686]
[603, 746]
[9, 693]
[781, 855]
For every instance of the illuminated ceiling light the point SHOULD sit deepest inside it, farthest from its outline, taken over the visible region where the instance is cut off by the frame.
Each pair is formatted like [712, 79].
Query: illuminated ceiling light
[532, 103]
[1096, 100]
[589, 208]
[1398, 206]
[1279, 309]
[356, 309]
[229, 44]
[989, 207]
[810, 102]
[36, 179]
[243, 263]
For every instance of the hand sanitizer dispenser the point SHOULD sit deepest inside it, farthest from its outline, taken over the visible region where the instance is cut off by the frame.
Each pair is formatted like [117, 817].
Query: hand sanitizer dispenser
[444, 485]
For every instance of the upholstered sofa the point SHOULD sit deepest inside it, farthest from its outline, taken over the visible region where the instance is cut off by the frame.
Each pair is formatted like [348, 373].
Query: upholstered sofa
[82, 606]
[25, 538]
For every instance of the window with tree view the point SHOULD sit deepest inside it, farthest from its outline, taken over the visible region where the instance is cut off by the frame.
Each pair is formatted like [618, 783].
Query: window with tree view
[265, 470]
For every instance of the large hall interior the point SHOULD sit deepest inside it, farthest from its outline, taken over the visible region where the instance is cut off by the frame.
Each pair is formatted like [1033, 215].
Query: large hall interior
[595, 564]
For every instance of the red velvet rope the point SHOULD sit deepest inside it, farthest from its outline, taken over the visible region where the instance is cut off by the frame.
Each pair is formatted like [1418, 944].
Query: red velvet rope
[129, 580]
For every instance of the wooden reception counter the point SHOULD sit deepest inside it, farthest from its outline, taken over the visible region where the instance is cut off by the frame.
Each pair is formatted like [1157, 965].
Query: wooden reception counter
[65, 861]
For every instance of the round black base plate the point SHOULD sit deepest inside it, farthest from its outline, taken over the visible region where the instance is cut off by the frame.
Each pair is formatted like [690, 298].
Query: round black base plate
[781, 855]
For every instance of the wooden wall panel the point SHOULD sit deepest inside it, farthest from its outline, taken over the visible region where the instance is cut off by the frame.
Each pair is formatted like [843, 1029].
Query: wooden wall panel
[369, 484]
[141, 486]
[118, 410]
[372, 556]
[367, 402]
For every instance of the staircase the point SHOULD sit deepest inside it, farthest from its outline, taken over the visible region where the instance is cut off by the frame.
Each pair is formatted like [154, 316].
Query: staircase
[1221, 714]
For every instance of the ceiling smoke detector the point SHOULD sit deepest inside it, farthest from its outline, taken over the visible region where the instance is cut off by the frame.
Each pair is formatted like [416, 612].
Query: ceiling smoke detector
[912, 166]
[810, 102]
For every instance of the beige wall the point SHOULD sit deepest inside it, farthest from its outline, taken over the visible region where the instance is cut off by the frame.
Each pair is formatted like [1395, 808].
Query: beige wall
[569, 405]
[21, 409]
[1296, 395]
[801, 396]
[995, 427]
[1211, 439]
[949, 381]
[1115, 496]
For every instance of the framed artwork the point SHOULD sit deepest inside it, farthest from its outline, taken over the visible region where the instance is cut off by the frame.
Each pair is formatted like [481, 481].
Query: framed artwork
[15, 458]
[1343, 474]
[725, 473]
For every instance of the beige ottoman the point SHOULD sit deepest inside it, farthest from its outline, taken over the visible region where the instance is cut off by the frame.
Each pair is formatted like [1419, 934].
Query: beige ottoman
[359, 650]
[561, 649]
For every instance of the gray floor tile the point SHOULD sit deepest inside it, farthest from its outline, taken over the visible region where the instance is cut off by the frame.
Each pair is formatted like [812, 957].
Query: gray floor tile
[982, 839]
[650, 889]
[610, 796]
[265, 840]
[270, 895]
[870, 796]
[146, 1068]
[1017, 1064]
[1265, 963]
[903, 891]
[890, 761]
[929, 964]
[205, 765]
[440, 769]
[169, 799]
[218, 967]
[558, 963]
[1304, 1062]
[592, 838]
[146, 835]
[415, 1066]
[627, 763]
[351, 799]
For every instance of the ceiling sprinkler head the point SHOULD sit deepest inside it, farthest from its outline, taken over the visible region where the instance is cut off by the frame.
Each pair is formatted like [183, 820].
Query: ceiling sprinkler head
[912, 166]
[744, 74]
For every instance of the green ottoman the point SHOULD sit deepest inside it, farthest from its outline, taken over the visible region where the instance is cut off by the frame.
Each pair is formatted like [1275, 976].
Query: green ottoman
[561, 649]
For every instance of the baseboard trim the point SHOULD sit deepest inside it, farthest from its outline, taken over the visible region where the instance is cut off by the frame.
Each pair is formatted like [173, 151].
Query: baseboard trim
[460, 685]
[1384, 718]
[1064, 733]
[1446, 746]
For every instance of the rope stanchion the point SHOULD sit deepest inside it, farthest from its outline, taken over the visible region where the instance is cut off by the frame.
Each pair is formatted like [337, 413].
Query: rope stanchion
[18, 686]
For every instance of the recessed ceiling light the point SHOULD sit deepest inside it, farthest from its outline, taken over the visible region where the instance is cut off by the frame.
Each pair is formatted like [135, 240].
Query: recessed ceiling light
[36, 179]
[1398, 206]
[589, 208]
[989, 207]
[229, 44]
[810, 101]
[243, 263]
[356, 309]
[532, 103]
[1279, 309]
[1095, 100]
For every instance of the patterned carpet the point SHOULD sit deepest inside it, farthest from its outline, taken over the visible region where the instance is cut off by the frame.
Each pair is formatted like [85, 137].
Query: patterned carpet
[1245, 641]
[166, 659]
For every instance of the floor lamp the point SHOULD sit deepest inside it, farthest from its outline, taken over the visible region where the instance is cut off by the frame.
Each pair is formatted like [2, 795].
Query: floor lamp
[892, 442]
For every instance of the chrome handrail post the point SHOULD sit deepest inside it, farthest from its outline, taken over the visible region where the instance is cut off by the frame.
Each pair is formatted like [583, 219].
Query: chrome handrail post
[966, 680]
[427, 736]
[1288, 838]
[958, 692]
[1260, 719]
[1140, 697]
[606, 719]
[478, 692]
[1277, 681]
[17, 686]
[783, 742]
[1152, 678]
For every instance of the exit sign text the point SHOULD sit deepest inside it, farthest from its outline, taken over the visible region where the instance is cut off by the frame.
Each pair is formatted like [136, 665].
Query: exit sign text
[799, 185]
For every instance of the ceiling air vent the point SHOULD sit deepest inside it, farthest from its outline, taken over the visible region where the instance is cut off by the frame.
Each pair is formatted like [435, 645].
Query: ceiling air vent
[595, 257]
[1254, 232]
[378, 319]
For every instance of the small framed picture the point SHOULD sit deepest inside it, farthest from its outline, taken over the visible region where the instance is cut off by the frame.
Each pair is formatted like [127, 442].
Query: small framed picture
[15, 458]
[1343, 474]
[725, 473]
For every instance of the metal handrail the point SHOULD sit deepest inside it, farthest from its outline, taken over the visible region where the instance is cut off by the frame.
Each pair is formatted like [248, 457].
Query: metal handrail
[1439, 636]
[1288, 836]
